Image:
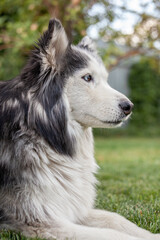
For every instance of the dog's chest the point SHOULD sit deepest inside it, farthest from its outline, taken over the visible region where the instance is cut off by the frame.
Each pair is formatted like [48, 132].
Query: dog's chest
[68, 184]
[68, 190]
[50, 185]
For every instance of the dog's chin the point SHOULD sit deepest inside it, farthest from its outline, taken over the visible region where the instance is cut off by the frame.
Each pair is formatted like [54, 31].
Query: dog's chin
[94, 122]
[113, 124]
[116, 123]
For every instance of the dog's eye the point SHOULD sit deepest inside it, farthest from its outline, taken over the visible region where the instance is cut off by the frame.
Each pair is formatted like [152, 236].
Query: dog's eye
[88, 77]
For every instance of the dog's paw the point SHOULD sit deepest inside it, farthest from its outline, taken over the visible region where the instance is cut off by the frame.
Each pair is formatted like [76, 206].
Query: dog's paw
[157, 236]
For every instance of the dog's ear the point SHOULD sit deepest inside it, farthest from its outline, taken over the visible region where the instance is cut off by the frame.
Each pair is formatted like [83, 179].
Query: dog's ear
[88, 44]
[47, 113]
[53, 44]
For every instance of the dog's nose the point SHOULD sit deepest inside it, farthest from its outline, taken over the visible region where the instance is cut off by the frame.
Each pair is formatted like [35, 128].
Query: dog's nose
[126, 106]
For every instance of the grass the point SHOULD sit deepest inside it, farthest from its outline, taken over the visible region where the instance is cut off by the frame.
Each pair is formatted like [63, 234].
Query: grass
[129, 179]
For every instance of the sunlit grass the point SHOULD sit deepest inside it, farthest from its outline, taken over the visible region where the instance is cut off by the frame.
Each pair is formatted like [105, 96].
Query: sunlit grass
[129, 180]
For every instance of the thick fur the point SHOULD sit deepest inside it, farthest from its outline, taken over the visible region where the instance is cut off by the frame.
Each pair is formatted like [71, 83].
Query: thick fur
[47, 165]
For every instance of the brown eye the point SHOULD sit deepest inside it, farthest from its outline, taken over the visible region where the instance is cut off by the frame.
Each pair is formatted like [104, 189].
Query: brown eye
[87, 77]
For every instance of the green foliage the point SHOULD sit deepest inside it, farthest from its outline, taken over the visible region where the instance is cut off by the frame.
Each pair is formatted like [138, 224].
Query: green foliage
[22, 22]
[144, 82]
[20, 25]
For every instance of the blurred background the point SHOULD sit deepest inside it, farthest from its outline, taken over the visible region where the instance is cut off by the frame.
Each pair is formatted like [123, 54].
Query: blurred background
[127, 34]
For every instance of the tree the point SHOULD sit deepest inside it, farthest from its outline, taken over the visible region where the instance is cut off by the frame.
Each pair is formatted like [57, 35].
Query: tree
[144, 81]
[22, 22]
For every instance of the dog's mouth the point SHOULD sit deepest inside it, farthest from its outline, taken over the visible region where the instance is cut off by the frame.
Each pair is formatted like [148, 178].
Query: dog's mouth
[117, 122]
[113, 122]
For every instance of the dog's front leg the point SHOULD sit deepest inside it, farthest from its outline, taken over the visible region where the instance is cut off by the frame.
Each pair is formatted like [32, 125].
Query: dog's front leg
[104, 219]
[70, 231]
[65, 230]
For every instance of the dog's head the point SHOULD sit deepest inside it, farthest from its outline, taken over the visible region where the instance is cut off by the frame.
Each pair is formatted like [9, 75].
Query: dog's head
[60, 84]
[70, 83]
[93, 102]
[78, 74]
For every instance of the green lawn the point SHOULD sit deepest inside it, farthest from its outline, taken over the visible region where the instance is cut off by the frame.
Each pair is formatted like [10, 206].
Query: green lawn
[129, 179]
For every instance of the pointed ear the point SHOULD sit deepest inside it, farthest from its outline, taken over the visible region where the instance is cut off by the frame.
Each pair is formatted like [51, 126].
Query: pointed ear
[88, 44]
[53, 43]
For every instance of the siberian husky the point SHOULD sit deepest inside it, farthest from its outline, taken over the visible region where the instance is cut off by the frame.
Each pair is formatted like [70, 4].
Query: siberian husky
[47, 165]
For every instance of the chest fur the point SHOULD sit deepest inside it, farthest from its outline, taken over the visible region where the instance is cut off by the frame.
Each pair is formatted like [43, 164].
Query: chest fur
[69, 183]
[44, 184]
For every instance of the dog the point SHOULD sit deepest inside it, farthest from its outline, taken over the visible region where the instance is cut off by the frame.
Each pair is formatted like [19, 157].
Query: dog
[47, 165]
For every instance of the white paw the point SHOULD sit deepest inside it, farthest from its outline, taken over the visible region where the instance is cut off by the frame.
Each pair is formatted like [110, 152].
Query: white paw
[157, 236]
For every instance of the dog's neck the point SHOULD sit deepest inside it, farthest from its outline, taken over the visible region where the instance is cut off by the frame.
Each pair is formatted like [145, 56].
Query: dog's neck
[83, 138]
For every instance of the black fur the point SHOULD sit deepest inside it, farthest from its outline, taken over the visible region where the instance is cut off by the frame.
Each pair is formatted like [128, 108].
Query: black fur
[3, 217]
[46, 89]
[4, 175]
[8, 177]
[10, 115]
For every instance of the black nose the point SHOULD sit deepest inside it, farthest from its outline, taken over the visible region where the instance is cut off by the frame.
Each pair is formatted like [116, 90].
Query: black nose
[126, 107]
